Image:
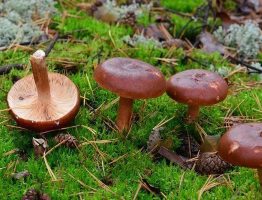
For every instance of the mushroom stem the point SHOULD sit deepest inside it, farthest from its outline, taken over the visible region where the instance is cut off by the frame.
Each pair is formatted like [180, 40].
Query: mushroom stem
[259, 172]
[192, 113]
[40, 75]
[124, 114]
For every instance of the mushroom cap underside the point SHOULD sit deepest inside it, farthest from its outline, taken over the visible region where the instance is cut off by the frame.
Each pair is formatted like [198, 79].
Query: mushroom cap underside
[130, 78]
[197, 87]
[242, 145]
[37, 114]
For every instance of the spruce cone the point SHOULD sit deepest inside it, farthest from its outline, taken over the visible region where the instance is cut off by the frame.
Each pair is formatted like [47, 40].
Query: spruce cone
[211, 163]
[67, 139]
[189, 146]
[31, 194]
[128, 19]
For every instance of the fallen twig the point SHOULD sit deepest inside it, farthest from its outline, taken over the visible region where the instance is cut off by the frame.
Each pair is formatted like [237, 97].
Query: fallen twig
[5, 69]
[51, 45]
[173, 157]
[244, 64]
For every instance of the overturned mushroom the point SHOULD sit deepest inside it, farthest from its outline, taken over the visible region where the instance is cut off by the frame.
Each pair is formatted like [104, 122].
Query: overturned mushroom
[196, 88]
[130, 79]
[43, 101]
[242, 145]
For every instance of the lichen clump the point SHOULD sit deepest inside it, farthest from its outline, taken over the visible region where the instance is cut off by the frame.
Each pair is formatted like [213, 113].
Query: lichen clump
[120, 11]
[17, 19]
[246, 39]
[140, 39]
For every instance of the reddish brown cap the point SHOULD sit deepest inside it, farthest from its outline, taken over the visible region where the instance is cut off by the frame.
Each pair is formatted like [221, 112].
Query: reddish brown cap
[197, 87]
[130, 78]
[242, 145]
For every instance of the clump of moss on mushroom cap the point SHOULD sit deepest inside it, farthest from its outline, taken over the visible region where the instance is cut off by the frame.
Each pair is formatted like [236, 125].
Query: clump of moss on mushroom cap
[43, 101]
[197, 88]
[130, 79]
[242, 146]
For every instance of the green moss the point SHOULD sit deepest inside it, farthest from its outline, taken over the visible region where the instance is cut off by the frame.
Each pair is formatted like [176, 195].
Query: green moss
[130, 161]
[180, 5]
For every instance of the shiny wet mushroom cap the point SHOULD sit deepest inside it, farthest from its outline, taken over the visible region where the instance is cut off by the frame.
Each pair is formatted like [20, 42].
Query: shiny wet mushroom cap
[197, 88]
[242, 145]
[43, 101]
[130, 79]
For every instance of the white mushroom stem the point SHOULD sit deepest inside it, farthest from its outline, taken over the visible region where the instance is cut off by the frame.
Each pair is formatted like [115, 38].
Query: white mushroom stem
[124, 115]
[40, 74]
[192, 113]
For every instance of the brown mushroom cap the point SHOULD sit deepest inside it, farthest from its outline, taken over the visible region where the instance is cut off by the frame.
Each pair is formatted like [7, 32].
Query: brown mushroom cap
[32, 113]
[130, 78]
[197, 87]
[242, 145]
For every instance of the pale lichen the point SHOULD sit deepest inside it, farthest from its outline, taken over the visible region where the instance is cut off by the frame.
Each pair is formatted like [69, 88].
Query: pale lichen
[119, 12]
[140, 39]
[17, 19]
[246, 39]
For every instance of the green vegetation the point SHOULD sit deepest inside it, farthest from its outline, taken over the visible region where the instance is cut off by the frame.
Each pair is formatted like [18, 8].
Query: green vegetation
[122, 162]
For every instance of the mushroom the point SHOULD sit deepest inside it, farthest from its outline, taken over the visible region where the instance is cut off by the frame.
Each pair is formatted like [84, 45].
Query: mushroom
[196, 87]
[242, 146]
[130, 79]
[43, 101]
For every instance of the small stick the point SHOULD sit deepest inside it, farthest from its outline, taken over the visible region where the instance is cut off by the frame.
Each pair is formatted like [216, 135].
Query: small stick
[245, 64]
[5, 69]
[51, 45]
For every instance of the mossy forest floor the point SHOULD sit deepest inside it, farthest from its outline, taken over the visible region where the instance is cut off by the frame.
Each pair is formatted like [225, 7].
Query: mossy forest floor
[121, 162]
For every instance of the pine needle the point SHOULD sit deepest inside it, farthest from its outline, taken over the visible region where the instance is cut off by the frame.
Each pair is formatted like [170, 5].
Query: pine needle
[100, 183]
[93, 131]
[137, 190]
[97, 141]
[51, 173]
[82, 183]
[210, 183]
[163, 122]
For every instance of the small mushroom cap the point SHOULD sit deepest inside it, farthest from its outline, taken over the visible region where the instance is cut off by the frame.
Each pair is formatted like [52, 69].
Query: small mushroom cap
[197, 87]
[242, 145]
[32, 113]
[130, 78]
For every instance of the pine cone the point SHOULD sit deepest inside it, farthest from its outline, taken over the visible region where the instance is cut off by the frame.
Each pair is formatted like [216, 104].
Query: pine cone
[31, 194]
[189, 146]
[211, 163]
[128, 19]
[67, 139]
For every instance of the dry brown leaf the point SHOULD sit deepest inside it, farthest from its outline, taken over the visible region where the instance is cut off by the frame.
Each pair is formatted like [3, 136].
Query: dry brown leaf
[210, 44]
[210, 143]
[152, 31]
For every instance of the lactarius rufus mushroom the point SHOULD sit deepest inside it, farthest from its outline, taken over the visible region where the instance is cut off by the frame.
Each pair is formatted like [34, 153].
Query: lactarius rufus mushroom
[43, 101]
[196, 88]
[242, 146]
[130, 79]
